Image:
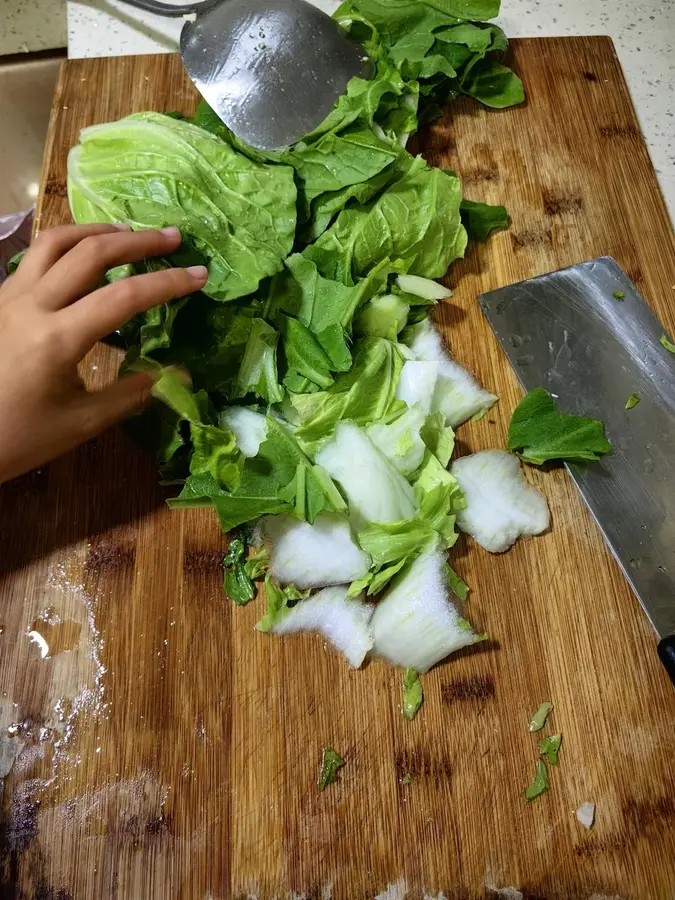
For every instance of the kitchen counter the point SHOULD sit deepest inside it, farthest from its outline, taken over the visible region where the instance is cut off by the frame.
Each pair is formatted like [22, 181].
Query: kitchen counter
[643, 33]
[29, 25]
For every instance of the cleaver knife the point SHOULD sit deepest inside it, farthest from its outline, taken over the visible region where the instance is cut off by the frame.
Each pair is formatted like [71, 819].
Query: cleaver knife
[586, 335]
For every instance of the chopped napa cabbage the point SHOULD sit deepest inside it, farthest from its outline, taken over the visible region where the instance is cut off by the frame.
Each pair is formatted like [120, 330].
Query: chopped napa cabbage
[424, 288]
[248, 426]
[538, 720]
[457, 394]
[586, 814]
[549, 747]
[400, 441]
[539, 784]
[417, 383]
[500, 504]
[413, 694]
[415, 625]
[330, 763]
[312, 556]
[383, 316]
[375, 490]
[344, 622]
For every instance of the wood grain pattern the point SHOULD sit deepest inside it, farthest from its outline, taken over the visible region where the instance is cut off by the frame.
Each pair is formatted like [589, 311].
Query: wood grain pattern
[174, 752]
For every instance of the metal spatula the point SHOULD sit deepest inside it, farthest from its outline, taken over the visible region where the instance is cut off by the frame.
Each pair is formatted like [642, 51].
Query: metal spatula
[272, 70]
[586, 335]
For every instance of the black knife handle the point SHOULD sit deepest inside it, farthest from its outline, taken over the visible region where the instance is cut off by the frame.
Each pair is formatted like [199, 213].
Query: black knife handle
[667, 655]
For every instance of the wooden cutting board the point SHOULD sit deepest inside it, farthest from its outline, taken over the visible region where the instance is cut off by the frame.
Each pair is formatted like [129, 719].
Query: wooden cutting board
[163, 749]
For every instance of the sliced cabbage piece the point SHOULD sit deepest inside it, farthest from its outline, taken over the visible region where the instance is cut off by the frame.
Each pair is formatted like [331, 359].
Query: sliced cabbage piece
[342, 621]
[312, 556]
[248, 426]
[400, 441]
[501, 505]
[457, 394]
[417, 383]
[424, 288]
[376, 491]
[383, 316]
[415, 625]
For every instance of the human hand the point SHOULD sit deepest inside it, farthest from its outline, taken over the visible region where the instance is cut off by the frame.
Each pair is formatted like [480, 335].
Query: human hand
[52, 312]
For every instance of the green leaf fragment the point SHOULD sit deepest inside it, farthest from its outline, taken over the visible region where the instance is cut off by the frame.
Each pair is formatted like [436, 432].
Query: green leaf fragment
[538, 720]
[279, 601]
[413, 695]
[330, 763]
[670, 347]
[632, 401]
[407, 779]
[480, 219]
[538, 432]
[618, 295]
[236, 582]
[539, 784]
[549, 747]
[257, 564]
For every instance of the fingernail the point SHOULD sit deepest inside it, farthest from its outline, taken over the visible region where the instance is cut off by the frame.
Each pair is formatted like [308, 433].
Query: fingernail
[201, 273]
[121, 226]
[171, 231]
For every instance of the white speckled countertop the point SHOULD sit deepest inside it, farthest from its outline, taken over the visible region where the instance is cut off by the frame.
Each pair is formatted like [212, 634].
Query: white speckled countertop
[27, 25]
[643, 32]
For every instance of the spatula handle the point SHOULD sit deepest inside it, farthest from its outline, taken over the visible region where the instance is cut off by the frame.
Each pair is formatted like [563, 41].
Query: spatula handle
[667, 655]
[167, 9]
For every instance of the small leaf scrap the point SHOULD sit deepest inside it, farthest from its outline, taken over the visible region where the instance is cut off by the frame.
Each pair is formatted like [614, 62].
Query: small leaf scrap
[538, 720]
[549, 747]
[539, 784]
[413, 695]
[330, 763]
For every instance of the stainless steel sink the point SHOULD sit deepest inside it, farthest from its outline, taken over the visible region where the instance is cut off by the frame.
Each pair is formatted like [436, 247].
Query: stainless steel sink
[26, 87]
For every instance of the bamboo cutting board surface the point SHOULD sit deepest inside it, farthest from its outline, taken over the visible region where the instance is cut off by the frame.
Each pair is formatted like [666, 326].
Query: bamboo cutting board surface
[165, 750]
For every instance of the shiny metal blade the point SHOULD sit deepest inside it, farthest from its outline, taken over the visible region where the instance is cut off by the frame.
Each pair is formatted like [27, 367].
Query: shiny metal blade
[272, 71]
[586, 335]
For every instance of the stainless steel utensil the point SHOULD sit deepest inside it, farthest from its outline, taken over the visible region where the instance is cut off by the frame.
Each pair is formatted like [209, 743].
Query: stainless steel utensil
[272, 72]
[586, 335]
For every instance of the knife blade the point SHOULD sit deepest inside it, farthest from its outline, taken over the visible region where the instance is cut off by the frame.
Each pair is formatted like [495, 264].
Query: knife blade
[585, 334]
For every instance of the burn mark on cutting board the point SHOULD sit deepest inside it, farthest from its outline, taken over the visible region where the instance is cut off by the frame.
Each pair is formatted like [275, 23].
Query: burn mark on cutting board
[477, 687]
[421, 763]
[480, 175]
[107, 556]
[533, 238]
[202, 561]
[559, 205]
[639, 815]
[611, 131]
[55, 189]
[589, 76]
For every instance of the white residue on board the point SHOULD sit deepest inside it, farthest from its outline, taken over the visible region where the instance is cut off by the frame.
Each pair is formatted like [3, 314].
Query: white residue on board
[396, 891]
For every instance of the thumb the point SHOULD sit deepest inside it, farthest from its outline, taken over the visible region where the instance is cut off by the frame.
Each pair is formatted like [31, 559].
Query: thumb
[124, 398]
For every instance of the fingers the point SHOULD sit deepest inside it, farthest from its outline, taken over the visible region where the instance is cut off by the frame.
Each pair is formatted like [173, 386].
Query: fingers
[108, 308]
[50, 245]
[103, 409]
[83, 268]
